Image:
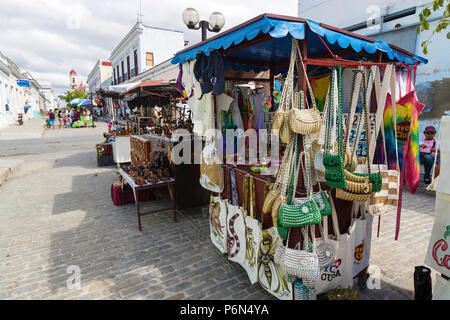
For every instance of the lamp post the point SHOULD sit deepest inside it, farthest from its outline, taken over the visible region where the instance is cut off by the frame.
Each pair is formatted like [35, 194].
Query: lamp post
[215, 23]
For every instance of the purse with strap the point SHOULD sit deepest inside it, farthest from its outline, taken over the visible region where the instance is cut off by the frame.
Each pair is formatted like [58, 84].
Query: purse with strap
[332, 161]
[301, 120]
[297, 262]
[303, 211]
[280, 115]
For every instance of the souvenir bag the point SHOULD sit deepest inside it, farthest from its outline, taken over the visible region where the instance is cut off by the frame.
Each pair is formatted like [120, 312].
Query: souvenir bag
[253, 231]
[324, 250]
[387, 198]
[270, 275]
[359, 186]
[276, 190]
[299, 212]
[236, 240]
[438, 253]
[332, 161]
[211, 171]
[284, 176]
[297, 262]
[361, 237]
[217, 222]
[339, 273]
[321, 197]
[301, 120]
[286, 94]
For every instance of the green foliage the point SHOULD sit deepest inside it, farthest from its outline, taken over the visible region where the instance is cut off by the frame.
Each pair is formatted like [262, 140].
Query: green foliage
[443, 23]
[73, 94]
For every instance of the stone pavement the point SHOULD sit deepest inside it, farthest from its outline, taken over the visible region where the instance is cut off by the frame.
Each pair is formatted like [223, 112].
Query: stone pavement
[56, 216]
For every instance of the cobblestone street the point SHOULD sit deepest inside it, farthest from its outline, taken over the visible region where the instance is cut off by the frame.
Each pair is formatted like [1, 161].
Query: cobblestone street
[56, 212]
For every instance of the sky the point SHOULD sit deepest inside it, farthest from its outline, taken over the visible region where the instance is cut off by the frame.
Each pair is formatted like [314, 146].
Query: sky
[50, 37]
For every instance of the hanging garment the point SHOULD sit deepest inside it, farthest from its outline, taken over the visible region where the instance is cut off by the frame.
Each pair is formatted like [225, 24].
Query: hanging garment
[223, 103]
[202, 113]
[187, 79]
[320, 87]
[257, 100]
[210, 72]
[178, 84]
[408, 111]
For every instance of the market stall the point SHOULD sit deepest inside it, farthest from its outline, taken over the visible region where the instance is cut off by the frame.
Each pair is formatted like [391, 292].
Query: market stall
[332, 98]
[157, 114]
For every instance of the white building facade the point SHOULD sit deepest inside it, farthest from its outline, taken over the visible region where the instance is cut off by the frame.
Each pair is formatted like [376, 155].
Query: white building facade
[143, 48]
[396, 22]
[14, 98]
[101, 72]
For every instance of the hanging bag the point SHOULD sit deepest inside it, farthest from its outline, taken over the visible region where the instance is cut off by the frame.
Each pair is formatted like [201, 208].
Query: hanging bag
[339, 273]
[286, 95]
[334, 161]
[253, 231]
[387, 198]
[301, 120]
[218, 222]
[211, 171]
[324, 250]
[360, 231]
[236, 240]
[270, 275]
[301, 211]
[297, 262]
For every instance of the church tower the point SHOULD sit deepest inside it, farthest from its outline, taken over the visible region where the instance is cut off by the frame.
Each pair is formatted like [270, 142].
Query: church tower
[73, 78]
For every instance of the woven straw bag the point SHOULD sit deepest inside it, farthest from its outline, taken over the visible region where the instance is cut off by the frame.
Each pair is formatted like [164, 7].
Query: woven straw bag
[301, 120]
[286, 94]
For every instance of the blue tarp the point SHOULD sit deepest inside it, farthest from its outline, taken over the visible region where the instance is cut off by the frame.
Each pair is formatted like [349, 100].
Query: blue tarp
[278, 49]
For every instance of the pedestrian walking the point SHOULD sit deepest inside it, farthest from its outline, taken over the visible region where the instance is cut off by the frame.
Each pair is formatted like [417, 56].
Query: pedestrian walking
[51, 117]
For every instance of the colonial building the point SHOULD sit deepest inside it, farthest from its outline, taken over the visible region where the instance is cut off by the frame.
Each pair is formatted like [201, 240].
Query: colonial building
[17, 96]
[101, 71]
[143, 48]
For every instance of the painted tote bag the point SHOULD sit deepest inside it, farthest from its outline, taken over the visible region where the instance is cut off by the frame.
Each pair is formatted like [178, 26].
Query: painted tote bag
[339, 273]
[253, 231]
[270, 275]
[361, 238]
[217, 222]
[236, 239]
[438, 254]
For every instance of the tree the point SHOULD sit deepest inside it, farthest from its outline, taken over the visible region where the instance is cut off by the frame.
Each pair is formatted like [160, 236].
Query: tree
[73, 94]
[442, 23]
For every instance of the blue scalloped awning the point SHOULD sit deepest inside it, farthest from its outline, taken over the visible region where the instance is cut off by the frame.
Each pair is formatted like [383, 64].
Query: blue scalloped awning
[278, 49]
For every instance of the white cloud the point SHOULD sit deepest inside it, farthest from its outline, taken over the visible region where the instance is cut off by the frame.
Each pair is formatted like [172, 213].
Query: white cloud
[49, 37]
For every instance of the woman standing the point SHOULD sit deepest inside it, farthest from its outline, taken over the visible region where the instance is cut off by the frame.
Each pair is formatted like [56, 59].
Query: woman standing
[60, 118]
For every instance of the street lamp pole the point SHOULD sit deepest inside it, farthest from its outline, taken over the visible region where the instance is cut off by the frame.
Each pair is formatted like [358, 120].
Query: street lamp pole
[215, 23]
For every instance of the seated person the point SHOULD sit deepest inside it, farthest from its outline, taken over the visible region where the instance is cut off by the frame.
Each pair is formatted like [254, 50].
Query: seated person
[428, 149]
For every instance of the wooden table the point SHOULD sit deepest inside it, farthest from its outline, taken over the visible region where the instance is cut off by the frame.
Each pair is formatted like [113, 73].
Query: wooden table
[161, 184]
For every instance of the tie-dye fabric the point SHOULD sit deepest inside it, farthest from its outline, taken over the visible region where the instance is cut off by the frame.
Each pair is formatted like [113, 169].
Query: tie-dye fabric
[320, 87]
[408, 110]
